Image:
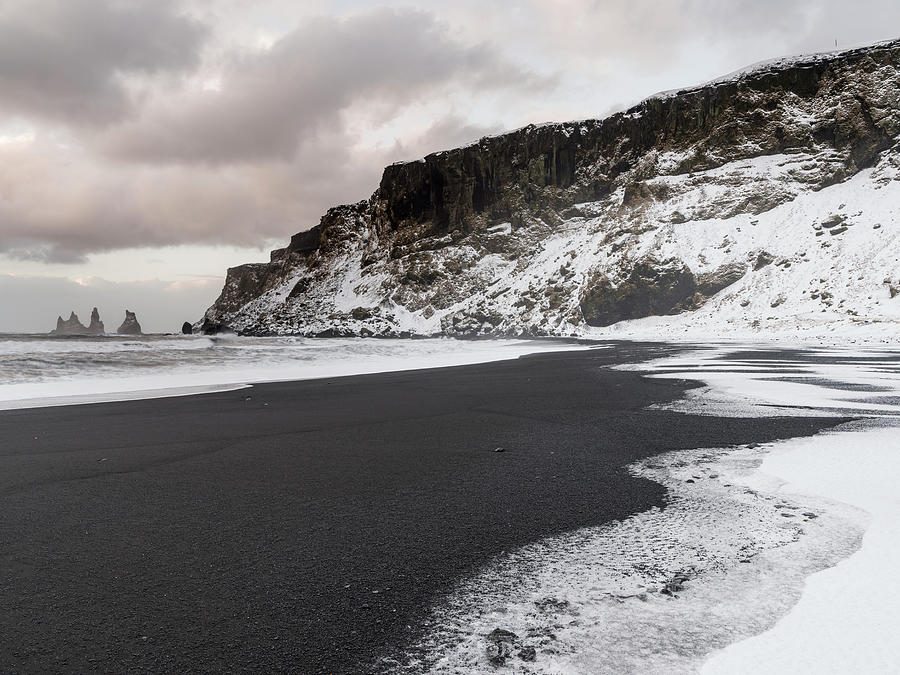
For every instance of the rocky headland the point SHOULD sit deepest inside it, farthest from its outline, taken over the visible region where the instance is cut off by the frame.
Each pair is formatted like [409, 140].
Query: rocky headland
[758, 200]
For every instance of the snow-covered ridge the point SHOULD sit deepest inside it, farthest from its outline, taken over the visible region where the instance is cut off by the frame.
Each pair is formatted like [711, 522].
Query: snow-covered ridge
[756, 206]
[753, 70]
[781, 63]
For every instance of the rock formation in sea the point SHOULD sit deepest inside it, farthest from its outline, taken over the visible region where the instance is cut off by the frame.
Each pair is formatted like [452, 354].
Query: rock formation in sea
[187, 328]
[73, 326]
[130, 325]
[764, 199]
[96, 325]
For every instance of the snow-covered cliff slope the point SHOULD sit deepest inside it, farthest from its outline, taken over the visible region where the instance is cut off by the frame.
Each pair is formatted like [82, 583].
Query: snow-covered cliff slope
[765, 203]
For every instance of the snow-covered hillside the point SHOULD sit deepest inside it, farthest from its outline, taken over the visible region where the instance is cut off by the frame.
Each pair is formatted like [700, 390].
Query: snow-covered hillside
[825, 264]
[764, 204]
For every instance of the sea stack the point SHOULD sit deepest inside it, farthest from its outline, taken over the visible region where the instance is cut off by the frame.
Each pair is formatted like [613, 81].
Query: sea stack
[73, 326]
[186, 328]
[96, 326]
[130, 325]
[70, 326]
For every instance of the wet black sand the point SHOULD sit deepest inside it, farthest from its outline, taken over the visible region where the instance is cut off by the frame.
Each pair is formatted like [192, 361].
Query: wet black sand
[307, 526]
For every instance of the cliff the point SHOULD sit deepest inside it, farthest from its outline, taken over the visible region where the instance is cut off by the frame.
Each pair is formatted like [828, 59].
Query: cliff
[665, 209]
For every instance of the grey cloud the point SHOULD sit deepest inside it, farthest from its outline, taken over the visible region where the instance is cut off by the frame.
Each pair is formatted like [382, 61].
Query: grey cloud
[281, 142]
[752, 30]
[801, 25]
[652, 36]
[60, 203]
[65, 59]
[80, 205]
[272, 102]
[446, 133]
[41, 252]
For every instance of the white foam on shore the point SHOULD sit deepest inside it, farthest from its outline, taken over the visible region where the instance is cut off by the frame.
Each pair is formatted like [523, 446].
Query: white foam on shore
[590, 601]
[857, 382]
[848, 615]
[747, 525]
[233, 363]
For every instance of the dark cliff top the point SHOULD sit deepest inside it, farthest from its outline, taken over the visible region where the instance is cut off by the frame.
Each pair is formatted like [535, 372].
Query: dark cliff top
[756, 71]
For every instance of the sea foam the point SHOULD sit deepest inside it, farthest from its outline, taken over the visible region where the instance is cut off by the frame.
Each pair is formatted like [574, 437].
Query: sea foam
[39, 371]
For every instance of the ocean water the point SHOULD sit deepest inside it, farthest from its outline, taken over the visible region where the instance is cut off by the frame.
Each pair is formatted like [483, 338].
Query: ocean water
[40, 370]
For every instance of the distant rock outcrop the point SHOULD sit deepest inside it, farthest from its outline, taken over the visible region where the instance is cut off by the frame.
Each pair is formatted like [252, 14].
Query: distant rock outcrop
[130, 325]
[96, 324]
[186, 328]
[70, 326]
[73, 326]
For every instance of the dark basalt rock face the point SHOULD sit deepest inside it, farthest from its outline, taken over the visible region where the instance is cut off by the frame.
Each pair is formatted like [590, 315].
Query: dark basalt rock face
[557, 165]
[651, 287]
[73, 326]
[130, 325]
[243, 283]
[187, 328]
[721, 278]
[414, 253]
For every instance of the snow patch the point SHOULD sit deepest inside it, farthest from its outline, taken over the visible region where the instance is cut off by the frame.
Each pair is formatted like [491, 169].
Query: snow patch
[847, 617]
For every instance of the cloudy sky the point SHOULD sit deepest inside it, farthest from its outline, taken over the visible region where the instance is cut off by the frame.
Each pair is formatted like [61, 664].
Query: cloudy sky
[147, 145]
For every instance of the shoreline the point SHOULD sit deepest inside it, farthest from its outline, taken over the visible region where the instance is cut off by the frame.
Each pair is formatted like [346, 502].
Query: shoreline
[312, 525]
[658, 592]
[596, 600]
[846, 616]
[173, 383]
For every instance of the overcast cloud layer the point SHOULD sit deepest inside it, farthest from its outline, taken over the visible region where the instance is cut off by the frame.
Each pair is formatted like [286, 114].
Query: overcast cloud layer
[151, 123]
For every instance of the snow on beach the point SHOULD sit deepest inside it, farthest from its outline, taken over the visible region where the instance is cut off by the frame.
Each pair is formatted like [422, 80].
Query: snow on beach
[847, 617]
[791, 542]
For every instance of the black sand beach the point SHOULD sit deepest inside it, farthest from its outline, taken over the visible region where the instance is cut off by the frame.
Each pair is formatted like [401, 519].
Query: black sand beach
[307, 527]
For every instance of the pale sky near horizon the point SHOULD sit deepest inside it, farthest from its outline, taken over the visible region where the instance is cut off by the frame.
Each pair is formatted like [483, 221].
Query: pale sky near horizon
[147, 145]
